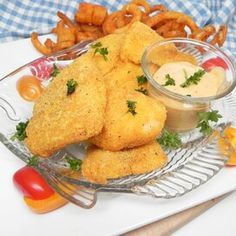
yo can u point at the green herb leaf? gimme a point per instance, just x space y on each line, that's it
55 71
103 52
20 131
189 95
205 128
96 45
98 49
74 163
193 79
131 107
170 81
169 139
142 90
185 74
205 118
33 161
71 86
141 79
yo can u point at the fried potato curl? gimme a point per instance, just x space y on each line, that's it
89 13
92 21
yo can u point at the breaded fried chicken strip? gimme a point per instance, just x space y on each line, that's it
60 118
131 119
100 165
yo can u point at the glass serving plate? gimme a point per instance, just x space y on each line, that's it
188 167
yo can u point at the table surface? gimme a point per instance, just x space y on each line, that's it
114 213
218 220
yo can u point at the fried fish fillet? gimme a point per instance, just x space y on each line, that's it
169 53
60 119
100 165
124 76
137 38
123 129
113 44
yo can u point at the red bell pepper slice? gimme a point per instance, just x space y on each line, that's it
32 184
213 62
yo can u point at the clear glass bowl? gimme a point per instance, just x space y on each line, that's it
182 110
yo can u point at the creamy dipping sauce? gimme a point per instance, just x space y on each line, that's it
208 85
182 116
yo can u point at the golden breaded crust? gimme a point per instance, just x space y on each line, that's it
113 44
100 165
52 95
138 37
124 76
124 130
60 119
169 53
122 29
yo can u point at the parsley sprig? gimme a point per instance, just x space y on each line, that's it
96 45
193 79
71 86
32 161
55 71
20 131
100 50
141 79
205 118
74 163
169 139
170 80
131 107
142 90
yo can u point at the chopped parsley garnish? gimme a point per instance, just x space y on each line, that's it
131 107
141 79
55 71
32 161
74 163
142 90
96 45
170 81
189 95
71 86
185 74
193 79
101 50
169 139
204 118
20 131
